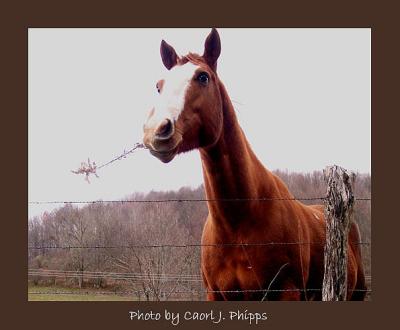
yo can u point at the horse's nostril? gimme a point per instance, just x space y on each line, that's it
165 129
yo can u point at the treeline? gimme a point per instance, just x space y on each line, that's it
109 238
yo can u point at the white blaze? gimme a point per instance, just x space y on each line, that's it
170 103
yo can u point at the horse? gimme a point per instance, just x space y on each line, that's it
193 111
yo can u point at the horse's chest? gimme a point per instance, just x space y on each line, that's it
245 268
230 270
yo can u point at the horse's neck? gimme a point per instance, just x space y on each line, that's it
231 170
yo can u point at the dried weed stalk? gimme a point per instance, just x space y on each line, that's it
87 169
91 168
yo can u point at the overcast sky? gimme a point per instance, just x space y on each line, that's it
303 98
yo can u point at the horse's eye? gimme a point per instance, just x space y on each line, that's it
203 78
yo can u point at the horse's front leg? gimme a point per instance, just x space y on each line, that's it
212 295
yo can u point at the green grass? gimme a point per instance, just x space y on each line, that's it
46 293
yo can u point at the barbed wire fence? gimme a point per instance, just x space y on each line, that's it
198 293
195 200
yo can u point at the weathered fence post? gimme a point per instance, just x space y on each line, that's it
338 210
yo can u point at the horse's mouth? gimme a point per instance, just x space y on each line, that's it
164 150
164 156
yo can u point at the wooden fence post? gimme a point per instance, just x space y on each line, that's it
338 210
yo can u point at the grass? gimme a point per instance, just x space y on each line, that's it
46 293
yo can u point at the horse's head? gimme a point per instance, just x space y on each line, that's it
188 111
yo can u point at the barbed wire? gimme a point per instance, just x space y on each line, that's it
133 246
128 292
170 200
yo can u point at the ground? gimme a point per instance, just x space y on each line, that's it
46 293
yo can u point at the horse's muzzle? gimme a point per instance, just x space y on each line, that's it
163 141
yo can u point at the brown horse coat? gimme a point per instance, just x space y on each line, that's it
232 170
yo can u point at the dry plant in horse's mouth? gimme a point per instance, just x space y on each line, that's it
86 169
91 168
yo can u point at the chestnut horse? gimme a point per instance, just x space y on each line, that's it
194 111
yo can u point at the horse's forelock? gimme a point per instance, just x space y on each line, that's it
192 58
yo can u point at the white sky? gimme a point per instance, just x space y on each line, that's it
303 98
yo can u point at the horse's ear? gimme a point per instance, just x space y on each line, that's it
212 49
168 55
